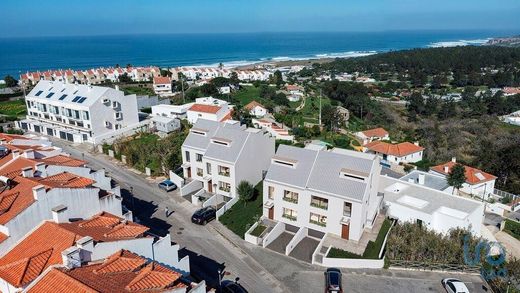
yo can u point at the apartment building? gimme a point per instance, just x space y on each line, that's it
222 154
78 113
331 191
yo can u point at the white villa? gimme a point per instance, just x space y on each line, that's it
222 154
371 135
256 109
79 113
209 108
162 85
328 191
404 152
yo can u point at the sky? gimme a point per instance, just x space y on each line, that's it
29 18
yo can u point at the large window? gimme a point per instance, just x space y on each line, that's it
347 209
199 158
318 219
290 196
270 192
290 214
223 171
319 202
199 172
208 168
224 186
187 156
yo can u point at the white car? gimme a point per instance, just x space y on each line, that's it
454 286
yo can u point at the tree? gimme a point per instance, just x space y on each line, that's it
209 89
124 78
457 176
245 191
233 78
10 81
331 118
276 78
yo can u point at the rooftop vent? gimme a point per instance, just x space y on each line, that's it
284 161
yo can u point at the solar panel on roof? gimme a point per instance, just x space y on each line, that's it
82 100
38 93
50 95
76 99
62 97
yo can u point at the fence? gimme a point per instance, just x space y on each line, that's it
426 266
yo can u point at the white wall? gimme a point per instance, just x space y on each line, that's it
302 233
277 230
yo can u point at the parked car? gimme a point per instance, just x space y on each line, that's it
333 281
452 285
167 185
204 215
228 286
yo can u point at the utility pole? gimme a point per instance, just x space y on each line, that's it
320 109
182 87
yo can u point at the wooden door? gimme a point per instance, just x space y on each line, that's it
189 172
210 187
271 213
345 231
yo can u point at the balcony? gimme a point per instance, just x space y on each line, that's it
224 173
345 220
289 217
289 199
318 223
320 206
225 188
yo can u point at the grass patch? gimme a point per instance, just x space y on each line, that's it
13 108
423 165
374 247
247 94
243 215
137 90
340 253
512 228
258 230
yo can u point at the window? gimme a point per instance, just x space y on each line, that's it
38 93
224 186
81 100
290 214
49 95
199 158
200 172
223 171
270 192
76 99
319 202
62 97
290 196
208 168
86 115
347 209
187 156
318 220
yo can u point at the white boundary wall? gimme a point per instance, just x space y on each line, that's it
191 187
278 229
302 233
178 180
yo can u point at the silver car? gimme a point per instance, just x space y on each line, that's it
167 185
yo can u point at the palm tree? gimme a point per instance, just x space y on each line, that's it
245 191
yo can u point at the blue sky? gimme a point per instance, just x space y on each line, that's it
99 17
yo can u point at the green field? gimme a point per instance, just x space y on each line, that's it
247 94
137 90
13 108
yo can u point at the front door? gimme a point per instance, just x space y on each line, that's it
210 187
345 231
189 172
271 213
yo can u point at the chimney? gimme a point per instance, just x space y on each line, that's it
416 143
59 214
29 154
117 87
40 168
421 178
454 159
86 246
16 154
27 172
39 192
71 258
446 169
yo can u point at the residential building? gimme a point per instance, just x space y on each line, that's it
477 182
271 126
256 109
371 135
430 180
511 91
123 271
344 114
330 191
78 113
165 124
172 111
221 155
404 152
513 118
431 208
209 108
162 85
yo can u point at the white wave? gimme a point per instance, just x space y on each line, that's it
477 42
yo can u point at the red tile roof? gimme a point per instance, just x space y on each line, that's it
252 105
162 80
473 175
16 199
63 160
39 250
10 137
511 90
204 108
64 180
398 150
376 132
124 271
12 167
228 116
58 281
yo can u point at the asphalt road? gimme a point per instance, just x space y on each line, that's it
212 247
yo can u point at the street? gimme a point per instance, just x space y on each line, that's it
213 247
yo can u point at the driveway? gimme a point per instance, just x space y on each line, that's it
304 250
281 242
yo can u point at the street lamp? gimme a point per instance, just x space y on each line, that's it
216 198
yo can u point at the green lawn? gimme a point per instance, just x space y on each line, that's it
247 94
512 228
13 108
258 230
2 85
142 91
242 216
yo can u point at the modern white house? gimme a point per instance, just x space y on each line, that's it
78 113
166 124
162 85
330 191
404 152
477 183
171 111
256 109
434 209
209 108
222 154
271 126
371 135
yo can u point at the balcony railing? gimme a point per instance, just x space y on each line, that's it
318 223
292 218
199 174
226 189
289 199
319 206
223 173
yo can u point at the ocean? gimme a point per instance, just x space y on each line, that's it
42 53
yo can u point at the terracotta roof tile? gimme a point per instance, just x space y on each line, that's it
253 104
227 117
398 150
162 80
64 180
58 281
63 161
204 108
376 132
473 175
16 199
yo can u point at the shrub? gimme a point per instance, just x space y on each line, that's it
512 228
340 253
